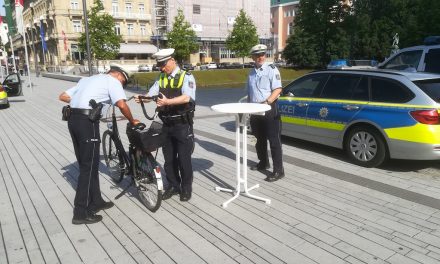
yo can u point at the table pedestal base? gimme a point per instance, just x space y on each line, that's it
241 122
245 193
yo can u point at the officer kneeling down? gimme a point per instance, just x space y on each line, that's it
176 103
84 130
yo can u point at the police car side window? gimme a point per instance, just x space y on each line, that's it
404 60
305 87
340 86
432 60
389 91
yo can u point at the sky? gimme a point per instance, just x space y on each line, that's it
2 9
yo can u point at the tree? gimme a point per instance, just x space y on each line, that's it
182 38
243 35
104 43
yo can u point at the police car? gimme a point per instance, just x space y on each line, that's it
372 114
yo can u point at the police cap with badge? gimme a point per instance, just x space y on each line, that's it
162 56
258 49
122 69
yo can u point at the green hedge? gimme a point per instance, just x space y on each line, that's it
217 78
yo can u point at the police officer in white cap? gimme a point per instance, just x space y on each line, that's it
102 88
264 86
176 104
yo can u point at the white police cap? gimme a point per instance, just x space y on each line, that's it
122 69
163 54
258 49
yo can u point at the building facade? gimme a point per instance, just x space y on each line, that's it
212 21
282 13
62 24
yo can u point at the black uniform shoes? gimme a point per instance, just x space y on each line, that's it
90 218
169 193
185 196
103 206
260 166
275 176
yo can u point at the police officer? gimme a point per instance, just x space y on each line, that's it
176 105
86 137
264 86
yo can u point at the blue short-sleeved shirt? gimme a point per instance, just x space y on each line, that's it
188 86
261 82
102 88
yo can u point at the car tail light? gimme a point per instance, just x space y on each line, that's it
429 117
2 89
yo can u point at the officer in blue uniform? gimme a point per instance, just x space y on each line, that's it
176 107
85 135
264 86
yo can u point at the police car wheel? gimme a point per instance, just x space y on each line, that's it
366 147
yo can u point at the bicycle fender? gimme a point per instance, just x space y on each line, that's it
158 178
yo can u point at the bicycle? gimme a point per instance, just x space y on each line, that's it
139 163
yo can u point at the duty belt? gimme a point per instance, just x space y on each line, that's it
80 111
174 119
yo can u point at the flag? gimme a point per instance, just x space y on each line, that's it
42 34
64 40
3 32
9 19
19 16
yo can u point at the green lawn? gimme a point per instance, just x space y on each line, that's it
219 78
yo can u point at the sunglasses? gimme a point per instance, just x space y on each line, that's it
162 63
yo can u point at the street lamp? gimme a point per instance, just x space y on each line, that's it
37 70
86 23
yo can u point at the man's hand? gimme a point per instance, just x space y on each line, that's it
162 100
135 122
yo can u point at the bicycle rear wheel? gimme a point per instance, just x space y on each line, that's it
148 179
113 158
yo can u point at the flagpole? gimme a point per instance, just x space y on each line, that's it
13 54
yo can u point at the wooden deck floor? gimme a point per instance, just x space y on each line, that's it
324 211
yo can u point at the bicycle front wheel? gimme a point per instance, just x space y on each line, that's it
148 178
113 157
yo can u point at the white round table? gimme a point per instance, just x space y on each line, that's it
242 112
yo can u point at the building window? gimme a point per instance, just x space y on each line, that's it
74 4
196 9
128 9
226 54
141 8
77 26
130 29
290 29
115 7
117 29
143 30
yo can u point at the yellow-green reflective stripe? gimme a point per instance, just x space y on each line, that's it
326 125
420 133
319 100
313 123
182 76
293 120
3 95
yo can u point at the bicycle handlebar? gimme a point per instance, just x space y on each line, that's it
153 98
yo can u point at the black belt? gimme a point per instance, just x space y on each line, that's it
80 111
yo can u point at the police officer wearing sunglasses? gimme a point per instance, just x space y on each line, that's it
84 131
176 103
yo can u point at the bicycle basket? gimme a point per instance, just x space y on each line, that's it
148 139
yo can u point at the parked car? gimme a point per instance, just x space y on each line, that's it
224 65
424 58
155 68
145 68
188 66
211 65
11 87
372 114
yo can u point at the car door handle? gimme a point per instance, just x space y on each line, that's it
302 104
351 107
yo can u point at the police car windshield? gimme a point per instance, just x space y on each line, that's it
431 87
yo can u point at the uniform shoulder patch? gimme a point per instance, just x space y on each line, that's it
272 66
